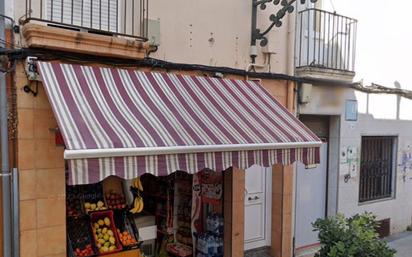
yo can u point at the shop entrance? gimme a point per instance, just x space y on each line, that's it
257 207
179 215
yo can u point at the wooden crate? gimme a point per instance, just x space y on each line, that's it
130 253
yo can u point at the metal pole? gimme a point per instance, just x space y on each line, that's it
16 214
5 170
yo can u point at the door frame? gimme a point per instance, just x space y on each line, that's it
267 241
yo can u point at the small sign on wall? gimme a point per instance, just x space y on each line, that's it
351 110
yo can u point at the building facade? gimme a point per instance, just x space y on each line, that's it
365 153
214 35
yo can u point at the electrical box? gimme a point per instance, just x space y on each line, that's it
153 32
305 93
31 69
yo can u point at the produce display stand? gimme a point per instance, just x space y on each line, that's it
80 221
184 210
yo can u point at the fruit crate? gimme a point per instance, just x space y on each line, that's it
79 237
125 224
114 194
74 201
105 220
93 199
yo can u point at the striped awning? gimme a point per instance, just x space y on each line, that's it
126 122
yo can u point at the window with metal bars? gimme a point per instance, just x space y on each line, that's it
377 167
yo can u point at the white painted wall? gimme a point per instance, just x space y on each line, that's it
377 117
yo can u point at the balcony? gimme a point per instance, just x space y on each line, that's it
116 28
325 45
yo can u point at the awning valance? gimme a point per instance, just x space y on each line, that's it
126 122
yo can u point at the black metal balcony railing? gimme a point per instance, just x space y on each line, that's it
126 18
325 40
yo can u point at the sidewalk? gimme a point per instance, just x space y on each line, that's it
402 243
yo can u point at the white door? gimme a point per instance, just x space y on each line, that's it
310 199
257 207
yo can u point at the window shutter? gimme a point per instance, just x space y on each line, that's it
93 14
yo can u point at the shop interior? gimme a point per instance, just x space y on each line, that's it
176 215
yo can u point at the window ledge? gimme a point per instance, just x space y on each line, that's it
41 36
377 201
325 73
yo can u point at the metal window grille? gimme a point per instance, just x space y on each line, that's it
377 165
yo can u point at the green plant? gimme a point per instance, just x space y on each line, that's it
351 237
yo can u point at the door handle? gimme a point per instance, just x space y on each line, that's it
255 198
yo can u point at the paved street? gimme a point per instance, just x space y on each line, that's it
402 244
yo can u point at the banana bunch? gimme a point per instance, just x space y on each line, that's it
137 205
138 200
136 183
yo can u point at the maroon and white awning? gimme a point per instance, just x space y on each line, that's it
126 122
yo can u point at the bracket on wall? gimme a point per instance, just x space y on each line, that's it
28 89
276 19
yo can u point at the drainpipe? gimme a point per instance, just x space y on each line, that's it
290 59
5 169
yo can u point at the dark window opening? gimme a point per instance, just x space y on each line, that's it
376 171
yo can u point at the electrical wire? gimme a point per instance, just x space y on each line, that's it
6 43
7 17
47 55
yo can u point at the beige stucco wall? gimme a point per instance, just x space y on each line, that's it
214 32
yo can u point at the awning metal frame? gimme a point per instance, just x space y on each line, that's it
147 151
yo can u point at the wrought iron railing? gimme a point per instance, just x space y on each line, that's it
377 168
128 18
325 40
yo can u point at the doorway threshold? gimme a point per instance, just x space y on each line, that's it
258 252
